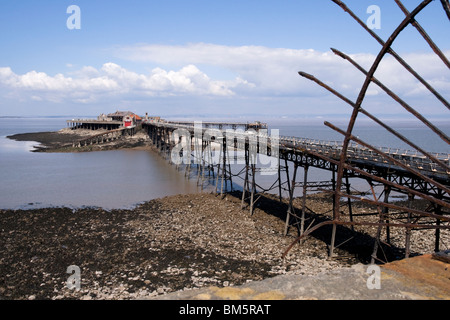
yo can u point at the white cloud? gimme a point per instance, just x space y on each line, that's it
89 83
273 71
256 73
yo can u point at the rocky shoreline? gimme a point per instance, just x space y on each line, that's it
167 245
62 140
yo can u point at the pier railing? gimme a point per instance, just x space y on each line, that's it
355 151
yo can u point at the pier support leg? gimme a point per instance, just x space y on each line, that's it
379 229
333 232
349 201
437 232
333 239
187 168
217 177
279 180
291 199
305 187
224 168
252 196
387 192
289 193
245 186
200 161
408 230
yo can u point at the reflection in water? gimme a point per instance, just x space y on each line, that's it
10 146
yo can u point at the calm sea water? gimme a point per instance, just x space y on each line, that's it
124 178
109 179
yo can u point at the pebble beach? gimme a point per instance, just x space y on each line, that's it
167 245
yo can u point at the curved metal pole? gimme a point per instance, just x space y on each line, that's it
446 6
362 93
408 108
393 53
306 233
427 38
363 111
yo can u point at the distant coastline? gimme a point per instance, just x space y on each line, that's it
279 118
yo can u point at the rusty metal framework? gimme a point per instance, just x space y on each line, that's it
419 174
437 190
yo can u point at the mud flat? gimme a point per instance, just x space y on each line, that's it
168 245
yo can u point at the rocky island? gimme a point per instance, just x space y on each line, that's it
64 139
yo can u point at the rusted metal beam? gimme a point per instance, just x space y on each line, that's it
446 6
356 223
392 206
382 53
393 53
342 163
427 38
381 123
406 106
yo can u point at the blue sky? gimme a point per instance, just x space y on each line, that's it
177 57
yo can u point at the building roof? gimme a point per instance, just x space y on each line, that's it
120 114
